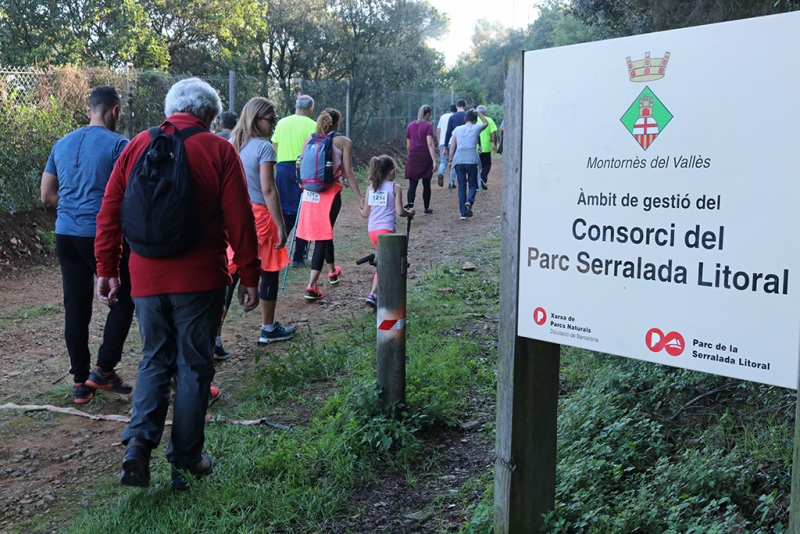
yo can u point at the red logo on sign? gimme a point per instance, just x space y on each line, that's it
656 341
539 316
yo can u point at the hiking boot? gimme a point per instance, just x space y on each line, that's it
440 179
108 382
427 211
313 293
220 353
278 332
136 465
81 393
468 209
333 277
372 300
201 469
214 395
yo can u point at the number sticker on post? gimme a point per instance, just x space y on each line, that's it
377 198
310 196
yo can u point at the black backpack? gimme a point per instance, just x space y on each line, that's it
159 211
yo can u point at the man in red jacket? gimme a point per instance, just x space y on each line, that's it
179 299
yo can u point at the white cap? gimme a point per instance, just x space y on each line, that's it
481 108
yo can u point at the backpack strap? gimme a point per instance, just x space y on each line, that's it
186 133
183 135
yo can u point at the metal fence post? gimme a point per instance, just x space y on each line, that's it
385 113
128 131
232 90
391 318
347 112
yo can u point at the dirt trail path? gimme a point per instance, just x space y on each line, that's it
49 462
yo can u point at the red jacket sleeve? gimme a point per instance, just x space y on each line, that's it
108 239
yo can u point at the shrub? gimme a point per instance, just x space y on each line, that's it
28 133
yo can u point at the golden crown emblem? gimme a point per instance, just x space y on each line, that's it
647 69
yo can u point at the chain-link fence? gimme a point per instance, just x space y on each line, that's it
37 107
375 115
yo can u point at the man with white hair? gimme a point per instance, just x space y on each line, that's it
288 138
179 298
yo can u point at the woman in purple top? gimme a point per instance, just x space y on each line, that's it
421 162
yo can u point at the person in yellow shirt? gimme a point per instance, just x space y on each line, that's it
288 138
488 139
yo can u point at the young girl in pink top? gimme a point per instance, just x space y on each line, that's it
384 201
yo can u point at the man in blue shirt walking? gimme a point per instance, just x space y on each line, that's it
74 181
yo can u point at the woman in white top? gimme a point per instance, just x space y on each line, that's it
464 150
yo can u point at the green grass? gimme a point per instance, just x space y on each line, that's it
299 480
18 316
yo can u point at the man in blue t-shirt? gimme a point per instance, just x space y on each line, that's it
74 181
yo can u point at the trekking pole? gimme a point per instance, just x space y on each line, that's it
291 245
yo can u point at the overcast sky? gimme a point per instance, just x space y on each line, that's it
464 13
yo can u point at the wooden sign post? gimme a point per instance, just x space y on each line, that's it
527 369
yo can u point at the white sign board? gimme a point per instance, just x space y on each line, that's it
660 193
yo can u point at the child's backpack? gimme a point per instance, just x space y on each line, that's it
159 212
315 172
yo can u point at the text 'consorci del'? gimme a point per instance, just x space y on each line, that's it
692 237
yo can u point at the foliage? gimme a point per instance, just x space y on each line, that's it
198 36
482 71
29 132
611 18
654 449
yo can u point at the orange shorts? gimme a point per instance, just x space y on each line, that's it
373 236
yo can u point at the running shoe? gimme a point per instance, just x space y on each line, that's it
201 469
220 353
313 293
333 277
463 218
108 382
468 209
408 206
427 211
484 186
82 393
214 395
440 179
372 300
278 333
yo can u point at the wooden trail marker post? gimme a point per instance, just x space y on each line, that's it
650 210
391 318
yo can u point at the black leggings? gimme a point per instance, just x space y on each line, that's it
323 250
426 191
268 288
